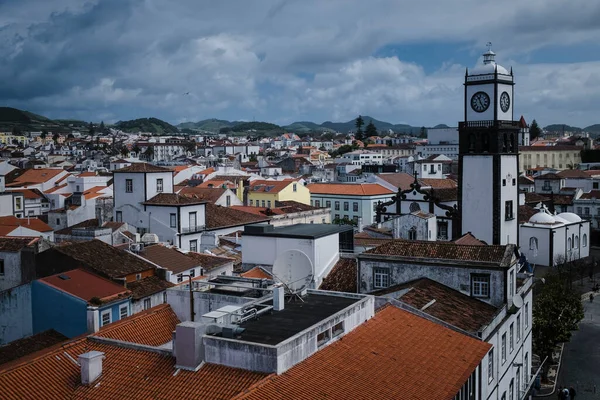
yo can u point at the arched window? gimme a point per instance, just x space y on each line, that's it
414 206
504 143
412 233
576 244
569 244
472 142
512 142
533 243
584 240
486 143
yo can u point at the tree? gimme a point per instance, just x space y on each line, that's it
371 130
556 312
44 134
252 158
91 129
344 221
55 137
149 153
534 131
359 124
136 149
16 131
124 151
71 136
423 133
191 147
102 128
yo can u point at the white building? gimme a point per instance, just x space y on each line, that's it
351 201
436 166
322 244
549 240
440 141
361 157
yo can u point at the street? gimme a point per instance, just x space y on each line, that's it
580 365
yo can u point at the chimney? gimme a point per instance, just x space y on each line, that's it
93 319
188 345
278 298
91 366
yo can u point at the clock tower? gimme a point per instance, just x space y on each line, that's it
488 155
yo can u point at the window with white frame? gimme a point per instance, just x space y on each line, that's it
380 277
164 296
179 278
518 328
147 304
511 282
511 390
123 311
159 185
105 317
480 285
194 245
526 315
119 215
533 243
173 220
511 337
138 277
129 185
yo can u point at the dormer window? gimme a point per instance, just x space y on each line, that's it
159 185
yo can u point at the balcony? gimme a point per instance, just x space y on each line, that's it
192 229
489 124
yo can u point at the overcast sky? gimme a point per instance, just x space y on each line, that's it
293 60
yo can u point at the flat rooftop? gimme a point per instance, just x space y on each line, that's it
297 231
297 316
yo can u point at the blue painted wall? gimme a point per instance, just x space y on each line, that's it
54 309
114 307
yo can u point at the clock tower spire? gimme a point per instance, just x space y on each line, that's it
488 154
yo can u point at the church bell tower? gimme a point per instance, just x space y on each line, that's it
488 155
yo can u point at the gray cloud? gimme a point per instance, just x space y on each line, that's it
281 61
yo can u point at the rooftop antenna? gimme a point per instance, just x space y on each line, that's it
294 270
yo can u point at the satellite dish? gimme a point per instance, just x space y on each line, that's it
517 301
294 270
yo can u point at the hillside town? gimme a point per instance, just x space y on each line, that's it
357 264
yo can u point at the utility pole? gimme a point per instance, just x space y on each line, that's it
192 313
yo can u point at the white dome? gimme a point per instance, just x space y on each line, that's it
489 68
557 218
542 218
570 217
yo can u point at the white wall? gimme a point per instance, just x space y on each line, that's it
15 314
12 270
477 197
510 192
151 178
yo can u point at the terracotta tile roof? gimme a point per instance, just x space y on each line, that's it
525 213
563 199
142 167
368 241
399 180
469 240
168 258
14 244
22 347
209 262
573 173
216 183
342 277
29 223
113 225
36 176
208 194
592 172
439 183
172 199
30 194
101 257
446 194
349 189
525 180
222 217
127 373
592 194
445 251
531 197
87 173
257 273
548 176
269 186
89 223
160 321
147 286
550 148
451 306
55 188
395 355
94 192
86 285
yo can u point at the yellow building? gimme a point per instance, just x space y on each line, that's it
557 157
8 138
265 193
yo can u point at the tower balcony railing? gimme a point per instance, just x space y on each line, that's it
489 124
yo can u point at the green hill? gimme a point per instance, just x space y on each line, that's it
256 126
561 127
595 129
146 125
345 127
11 118
306 127
210 125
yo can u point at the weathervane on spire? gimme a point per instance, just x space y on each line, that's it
488 56
489 46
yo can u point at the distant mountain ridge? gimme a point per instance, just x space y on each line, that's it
151 125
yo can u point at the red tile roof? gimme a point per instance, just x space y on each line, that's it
222 217
395 355
160 321
269 186
29 223
400 180
208 194
142 167
22 347
592 194
439 183
168 258
497 254
257 273
14 244
86 285
343 277
127 373
173 199
209 262
469 239
147 287
36 176
30 194
349 189
573 173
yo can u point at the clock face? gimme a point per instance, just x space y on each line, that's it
504 101
480 102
